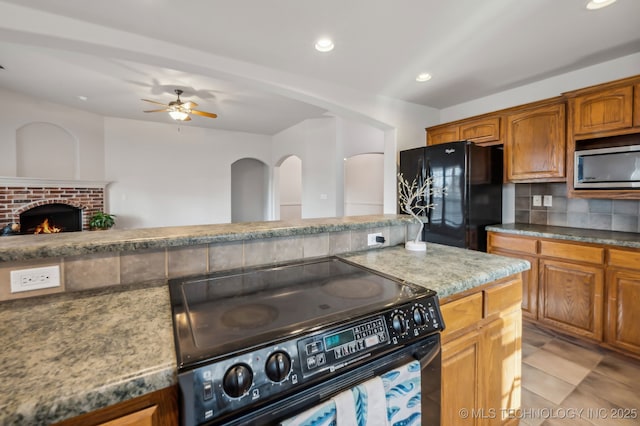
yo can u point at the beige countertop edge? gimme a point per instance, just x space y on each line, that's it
594 236
27 247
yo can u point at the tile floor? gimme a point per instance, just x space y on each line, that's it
569 382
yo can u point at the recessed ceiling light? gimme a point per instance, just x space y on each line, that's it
324 45
82 98
423 77
598 4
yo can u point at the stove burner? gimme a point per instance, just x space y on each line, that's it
353 288
249 316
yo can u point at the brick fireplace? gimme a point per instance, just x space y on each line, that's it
20 195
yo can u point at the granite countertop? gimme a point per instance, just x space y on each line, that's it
25 247
68 354
446 270
596 236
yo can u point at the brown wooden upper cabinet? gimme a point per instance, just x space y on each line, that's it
535 146
442 134
482 131
601 116
636 105
608 109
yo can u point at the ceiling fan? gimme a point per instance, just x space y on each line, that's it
179 110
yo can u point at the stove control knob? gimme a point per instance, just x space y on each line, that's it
278 366
399 323
420 316
237 380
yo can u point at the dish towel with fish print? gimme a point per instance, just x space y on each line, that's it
402 390
392 399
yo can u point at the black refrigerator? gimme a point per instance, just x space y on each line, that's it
468 196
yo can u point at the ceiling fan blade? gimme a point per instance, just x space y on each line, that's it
204 113
187 119
189 105
154 102
158 110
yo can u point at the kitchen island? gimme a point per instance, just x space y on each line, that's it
76 352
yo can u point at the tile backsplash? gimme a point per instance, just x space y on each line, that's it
613 215
98 270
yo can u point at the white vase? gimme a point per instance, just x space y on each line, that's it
415 246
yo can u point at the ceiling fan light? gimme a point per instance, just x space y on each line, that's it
599 4
179 115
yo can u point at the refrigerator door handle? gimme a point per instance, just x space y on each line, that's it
429 199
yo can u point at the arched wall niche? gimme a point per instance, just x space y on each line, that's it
46 150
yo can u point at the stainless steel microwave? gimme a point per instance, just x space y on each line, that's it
607 168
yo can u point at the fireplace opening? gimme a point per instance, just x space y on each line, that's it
51 218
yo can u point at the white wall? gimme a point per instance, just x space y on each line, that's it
314 142
322 145
363 183
17 110
359 138
607 71
166 174
45 150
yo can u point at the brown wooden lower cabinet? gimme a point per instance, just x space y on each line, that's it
461 365
584 289
481 356
623 308
159 408
571 297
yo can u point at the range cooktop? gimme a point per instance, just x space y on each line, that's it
219 315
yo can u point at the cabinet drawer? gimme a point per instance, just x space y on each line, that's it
148 416
524 245
624 258
505 297
576 252
462 313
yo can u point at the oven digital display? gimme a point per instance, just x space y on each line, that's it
338 339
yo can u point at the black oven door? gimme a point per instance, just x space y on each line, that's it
427 351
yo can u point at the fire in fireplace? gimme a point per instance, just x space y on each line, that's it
51 218
45 228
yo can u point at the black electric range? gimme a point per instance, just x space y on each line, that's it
249 337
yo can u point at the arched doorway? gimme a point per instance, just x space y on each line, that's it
290 188
249 190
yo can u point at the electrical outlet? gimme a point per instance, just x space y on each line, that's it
547 201
371 238
537 200
35 278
